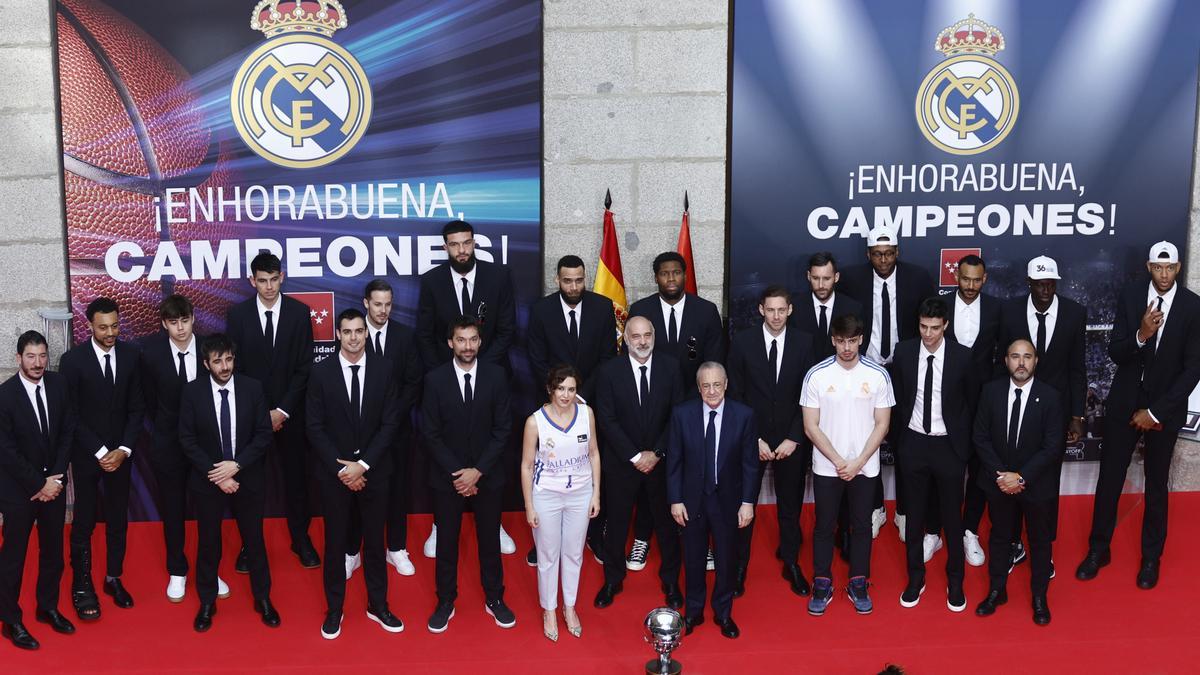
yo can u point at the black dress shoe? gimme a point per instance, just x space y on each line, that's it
1147 576
728 628
267 611
673 596
307 554
242 566
121 597
19 636
204 617
1041 611
604 597
57 621
994 599
1090 567
739 582
795 577
690 623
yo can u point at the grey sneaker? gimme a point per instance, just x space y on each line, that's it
857 592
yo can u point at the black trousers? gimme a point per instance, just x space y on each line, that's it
623 483
448 508
974 500
395 513
93 484
369 505
247 505
1119 442
291 450
930 469
710 520
789 475
19 519
827 496
1006 513
172 509
643 522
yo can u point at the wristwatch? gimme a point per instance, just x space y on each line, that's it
1021 480
660 453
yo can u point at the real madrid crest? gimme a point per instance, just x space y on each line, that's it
968 103
300 100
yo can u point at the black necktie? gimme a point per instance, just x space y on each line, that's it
355 405
644 388
823 323
885 313
927 398
183 378
226 427
1014 420
43 421
379 342
672 329
108 370
468 395
466 298
573 329
1041 334
773 360
710 453
270 331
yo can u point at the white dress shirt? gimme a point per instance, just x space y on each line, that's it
1152 298
1031 319
1025 389
189 362
462 391
967 320
779 340
262 316
937 424
567 309
666 312
372 331
828 305
216 390
470 277
347 377
717 430
31 389
112 354
637 382
875 348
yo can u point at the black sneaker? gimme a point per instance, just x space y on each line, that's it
501 613
956 601
637 556
911 595
332 627
441 617
531 558
1016 556
390 622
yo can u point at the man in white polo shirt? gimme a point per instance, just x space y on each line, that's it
847 401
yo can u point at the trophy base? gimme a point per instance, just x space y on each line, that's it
654 668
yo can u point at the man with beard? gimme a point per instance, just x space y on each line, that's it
575 327
36 428
823 304
466 287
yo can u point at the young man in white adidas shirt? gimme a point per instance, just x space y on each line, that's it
847 401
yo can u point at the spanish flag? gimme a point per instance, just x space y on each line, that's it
610 282
684 248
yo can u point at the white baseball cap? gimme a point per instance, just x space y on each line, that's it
882 236
1042 267
1164 252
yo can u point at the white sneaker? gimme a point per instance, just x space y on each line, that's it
507 545
399 559
878 518
222 588
932 544
430 548
353 562
901 522
973 550
176 588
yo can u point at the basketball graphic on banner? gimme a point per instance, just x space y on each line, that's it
132 127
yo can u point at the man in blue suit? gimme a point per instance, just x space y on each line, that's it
712 483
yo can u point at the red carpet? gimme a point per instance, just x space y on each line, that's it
1107 625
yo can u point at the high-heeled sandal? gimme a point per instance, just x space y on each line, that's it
577 629
550 635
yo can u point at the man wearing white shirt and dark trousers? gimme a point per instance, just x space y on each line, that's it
353 415
847 401
1156 345
103 376
225 431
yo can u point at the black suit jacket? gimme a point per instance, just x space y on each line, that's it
550 344
737 457
776 403
959 390
913 285
282 371
26 459
1174 363
804 317
330 419
701 337
623 425
983 350
1039 444
400 348
200 431
163 391
105 415
1063 366
492 303
458 436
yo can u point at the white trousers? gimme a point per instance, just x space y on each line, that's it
559 537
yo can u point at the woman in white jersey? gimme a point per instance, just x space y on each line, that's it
560 477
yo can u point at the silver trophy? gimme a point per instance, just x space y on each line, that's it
664 628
